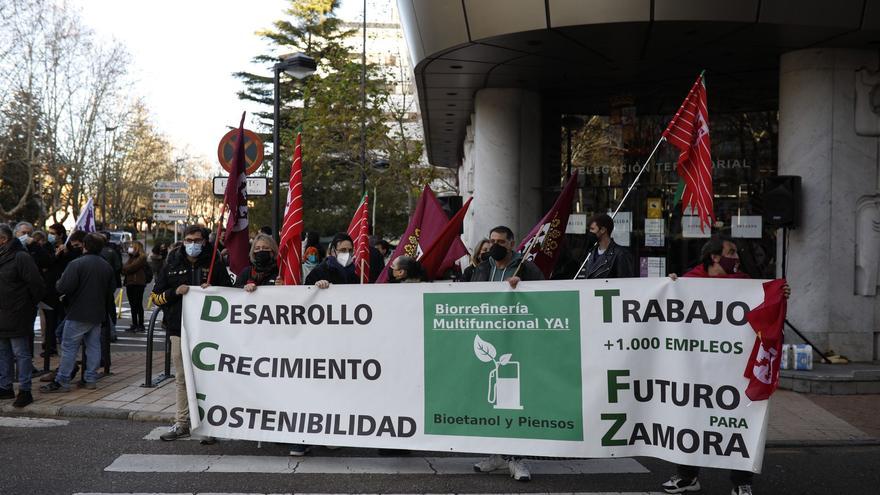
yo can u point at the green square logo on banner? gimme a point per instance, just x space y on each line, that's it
503 364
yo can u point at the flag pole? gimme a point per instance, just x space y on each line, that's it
526 251
216 243
619 205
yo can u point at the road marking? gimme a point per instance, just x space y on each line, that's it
32 422
224 493
153 463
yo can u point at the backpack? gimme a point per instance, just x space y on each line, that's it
148 274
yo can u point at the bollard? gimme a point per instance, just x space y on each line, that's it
149 381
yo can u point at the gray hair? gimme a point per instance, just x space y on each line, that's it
19 225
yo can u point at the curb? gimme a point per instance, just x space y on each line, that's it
75 411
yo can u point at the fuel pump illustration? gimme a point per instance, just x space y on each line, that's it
504 378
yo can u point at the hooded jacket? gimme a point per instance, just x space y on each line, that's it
21 287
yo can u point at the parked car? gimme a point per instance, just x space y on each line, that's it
121 238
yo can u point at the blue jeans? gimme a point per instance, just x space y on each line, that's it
74 333
15 349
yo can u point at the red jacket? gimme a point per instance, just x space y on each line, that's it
700 272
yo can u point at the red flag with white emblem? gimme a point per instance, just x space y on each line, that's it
689 132
766 320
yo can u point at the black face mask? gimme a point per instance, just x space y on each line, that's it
592 239
484 256
263 259
76 251
498 252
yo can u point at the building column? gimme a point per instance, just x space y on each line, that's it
506 163
818 142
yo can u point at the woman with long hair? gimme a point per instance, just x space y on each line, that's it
135 282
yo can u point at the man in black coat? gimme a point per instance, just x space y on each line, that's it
606 258
338 268
187 265
21 287
86 287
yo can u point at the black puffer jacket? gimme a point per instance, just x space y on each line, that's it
21 287
179 271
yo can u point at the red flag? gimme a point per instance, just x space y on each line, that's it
432 260
237 241
689 132
290 249
550 230
766 320
359 231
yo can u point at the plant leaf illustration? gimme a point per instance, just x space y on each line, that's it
485 351
504 358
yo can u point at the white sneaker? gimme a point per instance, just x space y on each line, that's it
492 463
677 484
742 490
519 470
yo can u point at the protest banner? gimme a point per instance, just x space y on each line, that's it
604 368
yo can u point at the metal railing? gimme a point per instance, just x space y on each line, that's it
149 380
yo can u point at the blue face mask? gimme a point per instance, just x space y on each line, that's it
51 238
193 250
312 258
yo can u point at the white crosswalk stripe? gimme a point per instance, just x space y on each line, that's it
173 463
22 422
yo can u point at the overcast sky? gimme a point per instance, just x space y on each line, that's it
183 54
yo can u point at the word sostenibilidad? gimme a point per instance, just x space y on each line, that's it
309 422
217 309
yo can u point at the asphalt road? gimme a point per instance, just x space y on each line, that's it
72 457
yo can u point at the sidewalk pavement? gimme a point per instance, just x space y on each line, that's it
796 419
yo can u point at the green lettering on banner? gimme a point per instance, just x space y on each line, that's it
608 439
503 364
606 295
206 308
197 355
614 385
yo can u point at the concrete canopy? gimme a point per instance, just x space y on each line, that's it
579 53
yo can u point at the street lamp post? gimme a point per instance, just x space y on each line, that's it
299 66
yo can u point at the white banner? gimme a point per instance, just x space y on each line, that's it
606 368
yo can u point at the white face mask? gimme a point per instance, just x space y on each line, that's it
130 250
343 258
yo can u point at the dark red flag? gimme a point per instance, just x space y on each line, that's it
689 132
432 260
290 248
237 241
425 224
766 320
550 230
359 231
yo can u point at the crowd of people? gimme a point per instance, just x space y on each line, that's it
70 281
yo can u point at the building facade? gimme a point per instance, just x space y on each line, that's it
515 94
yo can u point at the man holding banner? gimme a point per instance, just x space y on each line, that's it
718 259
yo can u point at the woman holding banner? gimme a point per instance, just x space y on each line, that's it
264 268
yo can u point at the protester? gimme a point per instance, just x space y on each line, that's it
187 266
156 260
718 259
405 269
310 260
606 258
504 265
312 239
21 288
338 267
57 235
87 286
480 254
264 267
384 248
111 253
135 272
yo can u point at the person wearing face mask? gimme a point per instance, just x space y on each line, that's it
54 311
187 265
718 259
505 265
21 288
310 260
135 275
606 258
480 254
264 267
338 267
